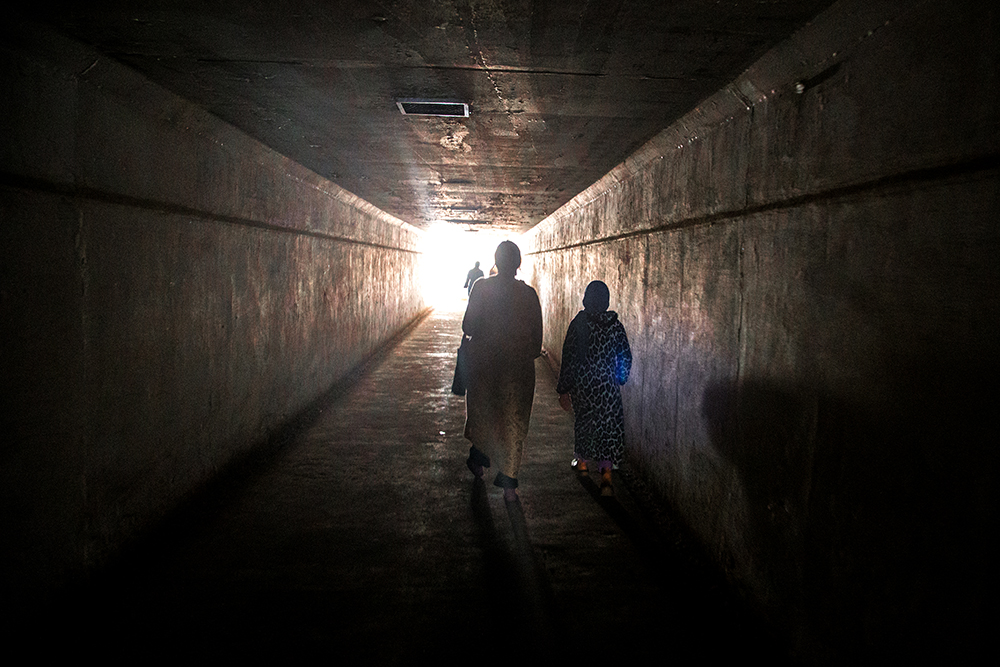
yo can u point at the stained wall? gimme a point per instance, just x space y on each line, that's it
807 267
172 292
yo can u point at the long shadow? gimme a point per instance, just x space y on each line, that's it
520 599
698 605
539 599
647 546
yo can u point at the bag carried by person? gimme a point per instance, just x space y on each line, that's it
458 384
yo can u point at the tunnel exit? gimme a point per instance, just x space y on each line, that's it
449 252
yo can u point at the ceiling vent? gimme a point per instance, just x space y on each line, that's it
433 108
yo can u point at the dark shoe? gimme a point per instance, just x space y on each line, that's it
509 486
477 461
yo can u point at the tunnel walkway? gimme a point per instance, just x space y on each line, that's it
364 536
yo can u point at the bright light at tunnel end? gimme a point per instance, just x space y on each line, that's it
449 251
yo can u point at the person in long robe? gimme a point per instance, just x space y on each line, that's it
596 361
503 323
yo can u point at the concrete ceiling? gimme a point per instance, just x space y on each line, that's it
559 91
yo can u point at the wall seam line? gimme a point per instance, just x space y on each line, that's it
40 185
922 174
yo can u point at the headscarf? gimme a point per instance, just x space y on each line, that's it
596 299
508 258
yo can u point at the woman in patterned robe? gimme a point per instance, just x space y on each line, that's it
504 324
596 361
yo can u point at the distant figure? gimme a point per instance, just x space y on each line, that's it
596 361
504 323
475 273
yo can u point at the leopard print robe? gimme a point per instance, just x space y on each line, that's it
596 361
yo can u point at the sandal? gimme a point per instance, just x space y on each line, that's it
606 488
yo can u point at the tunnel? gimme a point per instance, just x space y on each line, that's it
232 244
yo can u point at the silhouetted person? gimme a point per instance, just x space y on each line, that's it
596 361
504 323
475 273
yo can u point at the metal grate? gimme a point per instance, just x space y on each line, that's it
433 108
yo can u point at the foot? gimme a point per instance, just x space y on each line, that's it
475 468
606 488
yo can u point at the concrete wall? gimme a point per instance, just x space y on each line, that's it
171 293
807 265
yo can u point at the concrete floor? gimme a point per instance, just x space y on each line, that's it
363 536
